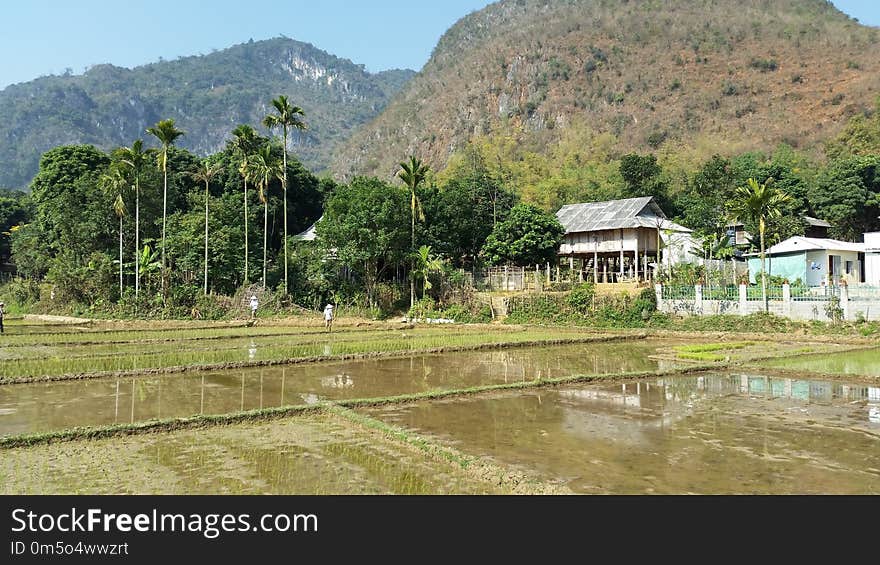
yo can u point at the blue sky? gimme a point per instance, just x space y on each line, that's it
42 37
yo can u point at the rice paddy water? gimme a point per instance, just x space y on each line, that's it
750 425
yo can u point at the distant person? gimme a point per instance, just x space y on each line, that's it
328 317
2 313
254 305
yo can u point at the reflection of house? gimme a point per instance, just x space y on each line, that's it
813 261
618 239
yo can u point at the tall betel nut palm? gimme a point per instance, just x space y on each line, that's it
135 159
206 173
263 168
760 202
287 117
115 185
167 134
244 144
413 174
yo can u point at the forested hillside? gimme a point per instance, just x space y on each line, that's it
675 76
207 95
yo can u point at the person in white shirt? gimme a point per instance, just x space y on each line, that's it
254 304
328 317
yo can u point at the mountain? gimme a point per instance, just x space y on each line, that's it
207 95
727 75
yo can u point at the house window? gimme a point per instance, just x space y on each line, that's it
849 267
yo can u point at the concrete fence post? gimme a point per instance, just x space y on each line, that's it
786 299
698 299
743 300
844 301
658 291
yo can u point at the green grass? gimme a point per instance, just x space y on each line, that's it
704 351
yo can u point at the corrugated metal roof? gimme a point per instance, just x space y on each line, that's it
816 222
640 212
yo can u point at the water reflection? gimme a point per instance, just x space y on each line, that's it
714 433
48 406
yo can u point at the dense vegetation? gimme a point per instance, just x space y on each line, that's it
110 106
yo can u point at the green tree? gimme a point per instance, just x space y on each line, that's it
413 174
69 206
847 194
264 167
760 202
206 174
528 236
244 144
460 215
115 185
426 263
363 227
16 210
167 134
642 176
135 158
286 117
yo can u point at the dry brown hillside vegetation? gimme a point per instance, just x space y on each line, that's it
725 75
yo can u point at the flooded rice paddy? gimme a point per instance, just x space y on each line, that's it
862 362
714 433
725 430
48 406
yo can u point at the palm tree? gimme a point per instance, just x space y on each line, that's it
135 158
263 168
759 202
413 174
427 263
244 144
206 174
114 184
287 117
167 134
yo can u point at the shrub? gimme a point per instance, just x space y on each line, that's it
580 299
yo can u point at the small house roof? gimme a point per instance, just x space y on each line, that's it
642 212
310 234
800 243
816 222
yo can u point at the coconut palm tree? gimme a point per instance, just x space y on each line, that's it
244 144
206 174
263 168
115 185
413 174
167 134
287 117
759 202
135 159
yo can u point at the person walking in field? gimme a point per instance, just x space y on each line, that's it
328 317
254 304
